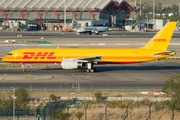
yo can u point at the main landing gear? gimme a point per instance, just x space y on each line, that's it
90 68
23 68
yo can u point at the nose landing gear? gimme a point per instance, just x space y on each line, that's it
23 68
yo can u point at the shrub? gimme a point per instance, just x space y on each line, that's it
122 105
52 97
37 99
113 104
22 97
98 96
116 104
119 95
172 89
167 103
63 115
78 114
145 101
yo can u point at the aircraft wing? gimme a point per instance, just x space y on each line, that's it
89 59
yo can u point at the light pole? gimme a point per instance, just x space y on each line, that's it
72 97
153 13
140 8
147 23
60 90
31 94
65 15
14 97
45 91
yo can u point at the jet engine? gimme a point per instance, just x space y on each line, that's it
71 64
96 32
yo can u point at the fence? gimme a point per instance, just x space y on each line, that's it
48 111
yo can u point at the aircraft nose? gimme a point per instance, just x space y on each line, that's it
5 58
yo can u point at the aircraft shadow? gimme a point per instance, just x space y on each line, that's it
119 68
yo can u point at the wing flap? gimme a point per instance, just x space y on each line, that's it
87 59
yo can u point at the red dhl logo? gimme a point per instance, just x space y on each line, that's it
160 40
41 55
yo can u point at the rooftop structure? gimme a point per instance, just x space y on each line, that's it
54 9
71 5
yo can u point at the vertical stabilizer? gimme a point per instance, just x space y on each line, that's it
106 24
161 40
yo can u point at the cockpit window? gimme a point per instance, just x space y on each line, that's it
9 54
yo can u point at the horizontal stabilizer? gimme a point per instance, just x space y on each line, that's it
164 53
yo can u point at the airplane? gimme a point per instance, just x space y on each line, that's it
74 58
94 30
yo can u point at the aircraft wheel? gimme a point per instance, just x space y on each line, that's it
92 70
88 70
24 70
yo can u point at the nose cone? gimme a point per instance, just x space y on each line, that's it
7 58
3 59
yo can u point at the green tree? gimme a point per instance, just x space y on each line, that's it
159 6
174 7
174 17
22 97
98 96
172 89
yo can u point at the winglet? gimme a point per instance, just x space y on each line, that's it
161 40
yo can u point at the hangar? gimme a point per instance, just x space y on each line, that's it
52 13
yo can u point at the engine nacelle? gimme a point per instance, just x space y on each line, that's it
70 64
97 32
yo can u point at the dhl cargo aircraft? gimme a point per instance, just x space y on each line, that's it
73 58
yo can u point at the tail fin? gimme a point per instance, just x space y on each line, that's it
161 40
106 24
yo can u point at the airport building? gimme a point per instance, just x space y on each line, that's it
60 14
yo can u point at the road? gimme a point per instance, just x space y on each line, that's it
147 76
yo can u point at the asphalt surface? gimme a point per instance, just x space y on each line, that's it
110 34
10 48
147 76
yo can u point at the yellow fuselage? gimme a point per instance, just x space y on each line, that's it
109 55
